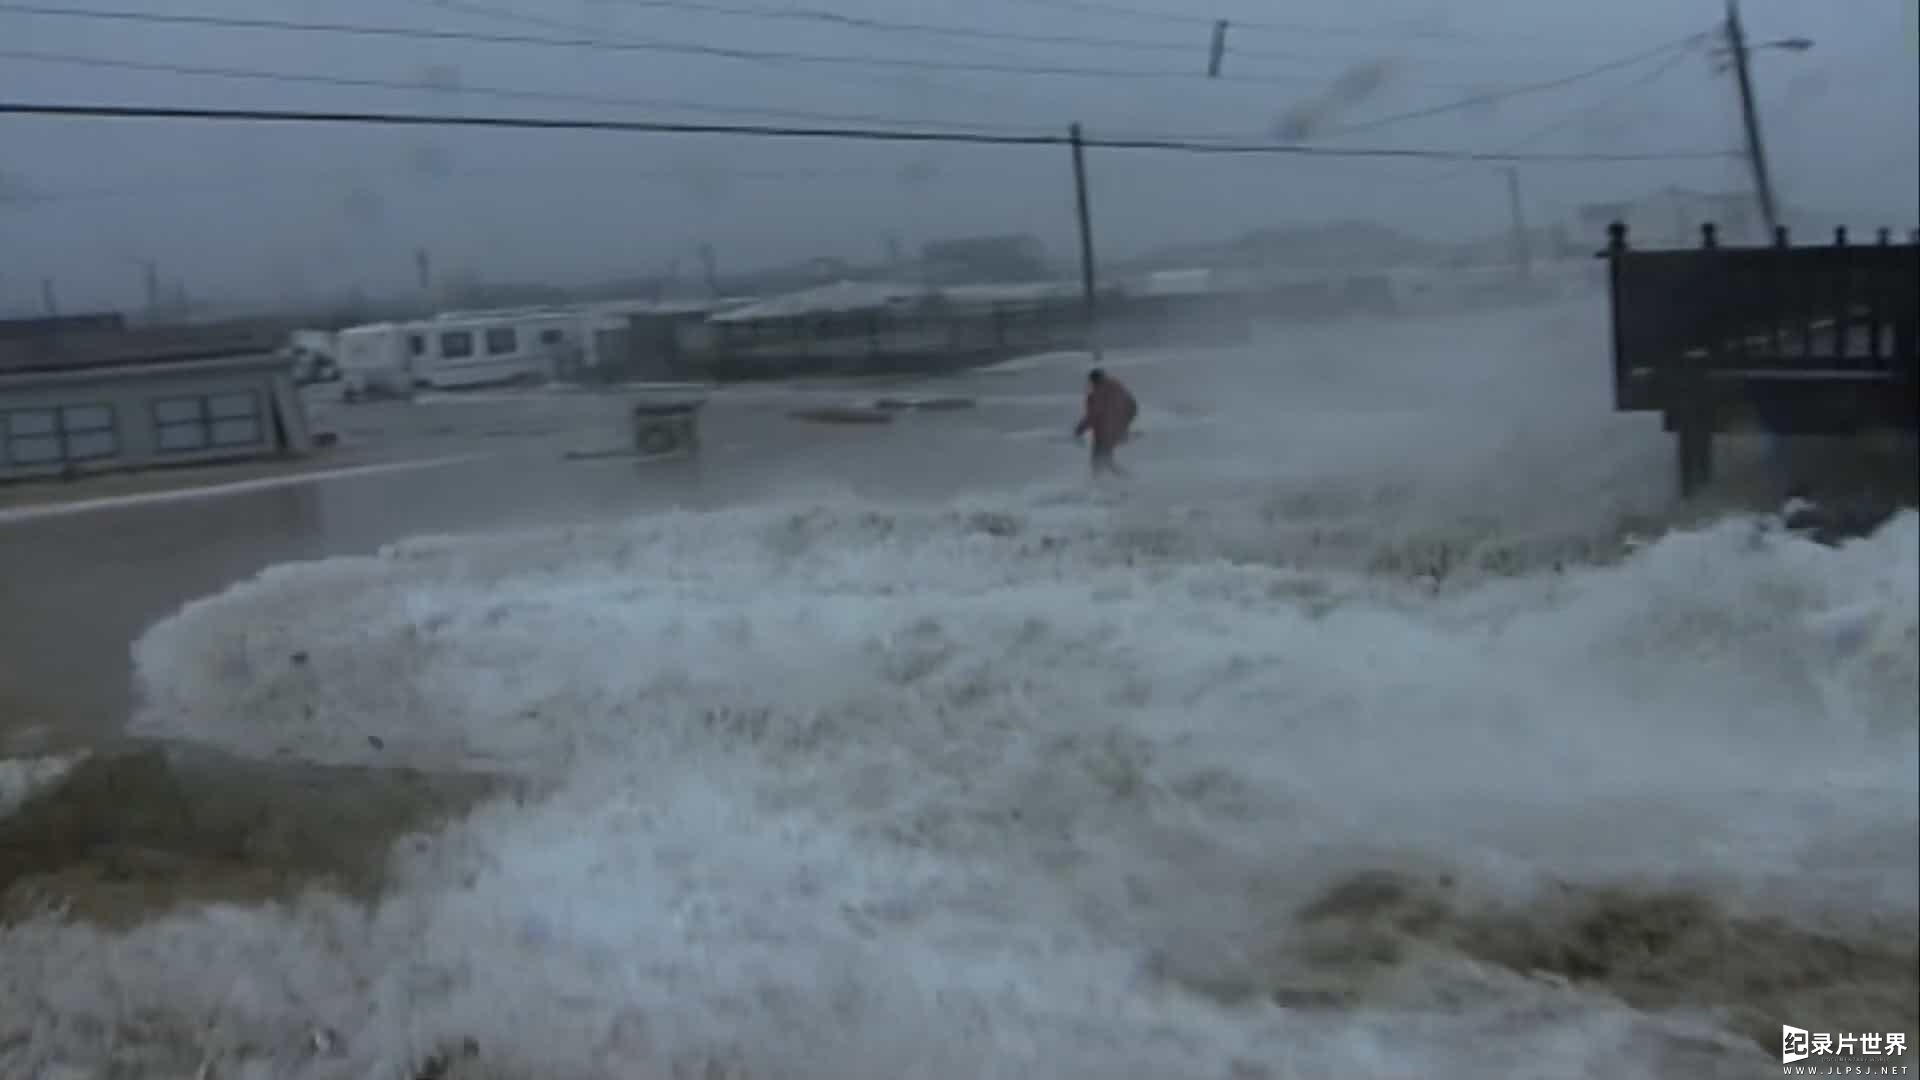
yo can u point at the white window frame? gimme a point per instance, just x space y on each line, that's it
210 414
62 432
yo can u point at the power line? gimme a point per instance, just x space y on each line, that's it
519 93
34 194
84 60
1480 100
821 16
1639 83
633 44
1113 10
593 33
894 135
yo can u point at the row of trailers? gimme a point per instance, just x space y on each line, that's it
470 350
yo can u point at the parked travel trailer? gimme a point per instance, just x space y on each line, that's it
375 360
458 350
464 349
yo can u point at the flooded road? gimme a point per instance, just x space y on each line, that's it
82 583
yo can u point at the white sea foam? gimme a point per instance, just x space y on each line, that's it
845 791
838 789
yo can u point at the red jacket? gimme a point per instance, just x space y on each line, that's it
1110 412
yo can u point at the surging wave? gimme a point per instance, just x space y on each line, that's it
1018 788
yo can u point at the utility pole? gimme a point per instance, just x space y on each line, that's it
1218 52
1086 241
150 282
1750 117
1522 244
708 264
48 299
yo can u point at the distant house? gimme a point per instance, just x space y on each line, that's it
982 259
94 401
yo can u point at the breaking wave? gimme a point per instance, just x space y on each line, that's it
1044 787
1355 735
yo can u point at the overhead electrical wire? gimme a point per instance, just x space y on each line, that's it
885 135
418 86
1492 97
1188 18
520 18
1586 112
32 194
822 16
624 44
632 44
1639 83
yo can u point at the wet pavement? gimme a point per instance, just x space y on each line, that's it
83 583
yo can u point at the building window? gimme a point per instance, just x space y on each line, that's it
501 340
58 434
217 421
551 337
417 344
456 345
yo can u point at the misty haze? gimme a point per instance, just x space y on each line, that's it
1018 538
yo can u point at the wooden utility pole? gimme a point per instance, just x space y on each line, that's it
1087 286
710 266
1218 53
150 282
1750 116
1522 244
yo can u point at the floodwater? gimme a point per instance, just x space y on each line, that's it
80 587
1390 720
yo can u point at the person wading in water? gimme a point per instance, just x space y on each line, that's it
1110 413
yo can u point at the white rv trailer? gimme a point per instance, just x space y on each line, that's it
375 360
464 349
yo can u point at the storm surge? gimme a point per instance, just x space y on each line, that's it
1010 788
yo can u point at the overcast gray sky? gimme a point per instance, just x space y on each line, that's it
283 212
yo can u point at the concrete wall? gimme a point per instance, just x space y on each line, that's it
151 420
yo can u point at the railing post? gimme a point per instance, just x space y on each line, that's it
1689 401
1694 420
1884 236
1617 247
1841 296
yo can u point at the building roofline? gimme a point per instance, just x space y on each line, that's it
206 362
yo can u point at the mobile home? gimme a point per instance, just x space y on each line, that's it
459 350
466 349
